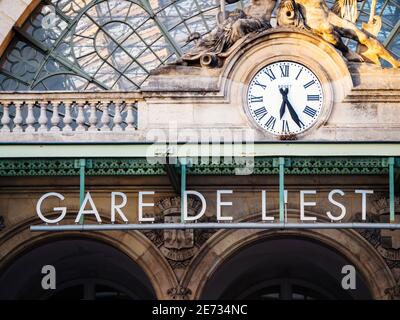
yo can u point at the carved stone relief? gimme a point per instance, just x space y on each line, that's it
310 15
177 246
179 293
386 242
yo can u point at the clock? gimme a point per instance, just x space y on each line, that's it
285 98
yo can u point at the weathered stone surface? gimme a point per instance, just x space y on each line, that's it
210 102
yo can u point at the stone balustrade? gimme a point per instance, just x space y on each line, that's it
67 113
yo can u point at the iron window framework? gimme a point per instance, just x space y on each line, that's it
100 44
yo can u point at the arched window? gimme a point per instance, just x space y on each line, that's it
100 44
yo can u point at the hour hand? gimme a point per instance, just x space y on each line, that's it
282 110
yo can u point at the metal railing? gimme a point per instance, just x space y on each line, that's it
205 225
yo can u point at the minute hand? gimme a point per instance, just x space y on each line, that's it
293 113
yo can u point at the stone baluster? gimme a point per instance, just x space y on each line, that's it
55 118
5 119
67 117
18 118
92 117
43 118
80 119
130 119
117 118
30 119
105 118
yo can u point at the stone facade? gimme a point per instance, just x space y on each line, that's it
192 100
178 271
356 108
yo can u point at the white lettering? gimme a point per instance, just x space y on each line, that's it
63 210
185 208
264 207
141 205
338 204
304 204
92 210
117 208
219 204
364 202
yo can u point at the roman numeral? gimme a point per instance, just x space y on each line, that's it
285 126
313 97
270 74
284 70
260 84
310 111
256 99
260 112
299 73
309 84
270 123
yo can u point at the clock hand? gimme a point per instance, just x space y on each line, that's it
293 113
282 110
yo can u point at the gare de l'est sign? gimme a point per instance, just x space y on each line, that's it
225 200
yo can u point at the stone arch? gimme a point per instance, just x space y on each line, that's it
348 243
18 239
21 9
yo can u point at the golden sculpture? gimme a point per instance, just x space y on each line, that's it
311 15
331 27
347 9
374 24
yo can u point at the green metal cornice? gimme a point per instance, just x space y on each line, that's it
302 166
67 167
139 166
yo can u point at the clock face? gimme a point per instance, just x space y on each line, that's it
285 98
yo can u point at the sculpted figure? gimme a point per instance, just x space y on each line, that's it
255 17
374 24
331 27
289 14
347 9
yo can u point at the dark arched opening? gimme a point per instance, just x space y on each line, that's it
284 268
85 269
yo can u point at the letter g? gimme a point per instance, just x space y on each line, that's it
63 210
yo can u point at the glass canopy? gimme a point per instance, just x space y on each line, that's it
114 44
